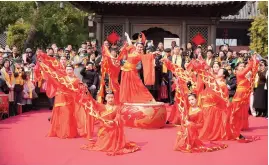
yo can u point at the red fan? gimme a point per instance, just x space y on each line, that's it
113 37
198 39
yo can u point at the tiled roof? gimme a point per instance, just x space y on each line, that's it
164 3
249 11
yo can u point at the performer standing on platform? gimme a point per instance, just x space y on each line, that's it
134 89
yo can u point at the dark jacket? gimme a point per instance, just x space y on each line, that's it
231 81
3 86
169 74
90 77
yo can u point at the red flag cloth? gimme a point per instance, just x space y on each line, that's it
198 39
148 69
113 37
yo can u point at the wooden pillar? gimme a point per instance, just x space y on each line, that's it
183 34
213 36
213 33
91 26
99 29
127 27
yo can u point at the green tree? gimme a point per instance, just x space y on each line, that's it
48 24
12 11
63 26
17 33
259 30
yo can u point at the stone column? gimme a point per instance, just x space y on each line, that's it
127 27
99 29
183 34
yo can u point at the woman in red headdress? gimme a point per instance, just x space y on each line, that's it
192 121
110 137
63 121
132 89
240 102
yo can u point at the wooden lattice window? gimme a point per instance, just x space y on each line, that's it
194 30
3 39
109 28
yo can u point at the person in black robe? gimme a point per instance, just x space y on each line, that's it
261 94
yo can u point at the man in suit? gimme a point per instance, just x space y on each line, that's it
168 76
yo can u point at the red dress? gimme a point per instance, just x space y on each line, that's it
240 102
113 72
111 66
187 136
63 121
184 76
111 138
191 122
213 100
132 89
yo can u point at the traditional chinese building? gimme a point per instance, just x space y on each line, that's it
214 20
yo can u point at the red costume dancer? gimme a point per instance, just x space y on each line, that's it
192 120
111 134
184 75
240 102
132 88
84 125
214 101
63 122
113 139
111 65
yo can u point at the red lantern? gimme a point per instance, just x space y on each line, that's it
198 39
113 37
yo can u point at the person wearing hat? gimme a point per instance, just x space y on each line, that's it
79 62
30 57
90 77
